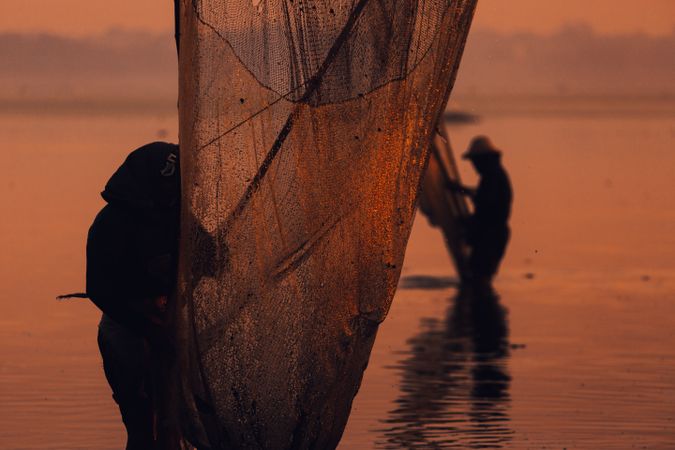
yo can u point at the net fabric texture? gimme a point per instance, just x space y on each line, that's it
444 208
304 128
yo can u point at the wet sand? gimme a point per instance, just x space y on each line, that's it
578 353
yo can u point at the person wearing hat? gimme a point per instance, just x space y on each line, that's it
131 258
487 230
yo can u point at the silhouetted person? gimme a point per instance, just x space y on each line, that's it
487 229
131 259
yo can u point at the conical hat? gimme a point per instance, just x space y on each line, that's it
481 146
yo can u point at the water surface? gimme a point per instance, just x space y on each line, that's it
577 351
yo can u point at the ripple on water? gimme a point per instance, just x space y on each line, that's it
454 388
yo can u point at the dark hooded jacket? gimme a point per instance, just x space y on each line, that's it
132 244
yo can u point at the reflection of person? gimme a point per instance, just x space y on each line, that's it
487 228
455 380
131 255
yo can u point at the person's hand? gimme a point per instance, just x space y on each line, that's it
161 304
452 185
154 309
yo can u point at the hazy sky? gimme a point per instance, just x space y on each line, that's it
81 17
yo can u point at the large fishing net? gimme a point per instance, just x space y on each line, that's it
305 128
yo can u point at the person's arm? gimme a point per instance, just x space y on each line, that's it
460 189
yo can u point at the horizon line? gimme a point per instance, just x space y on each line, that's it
561 29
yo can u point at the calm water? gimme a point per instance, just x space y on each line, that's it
578 352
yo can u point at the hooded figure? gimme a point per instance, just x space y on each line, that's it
131 258
487 229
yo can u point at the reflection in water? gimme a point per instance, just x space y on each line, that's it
427 282
455 381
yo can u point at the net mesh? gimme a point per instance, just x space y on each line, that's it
305 128
444 208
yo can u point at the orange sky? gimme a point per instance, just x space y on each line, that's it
78 17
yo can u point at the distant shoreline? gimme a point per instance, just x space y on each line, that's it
461 109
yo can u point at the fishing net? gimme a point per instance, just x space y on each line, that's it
304 128
445 208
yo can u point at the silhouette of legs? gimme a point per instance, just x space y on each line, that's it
125 363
